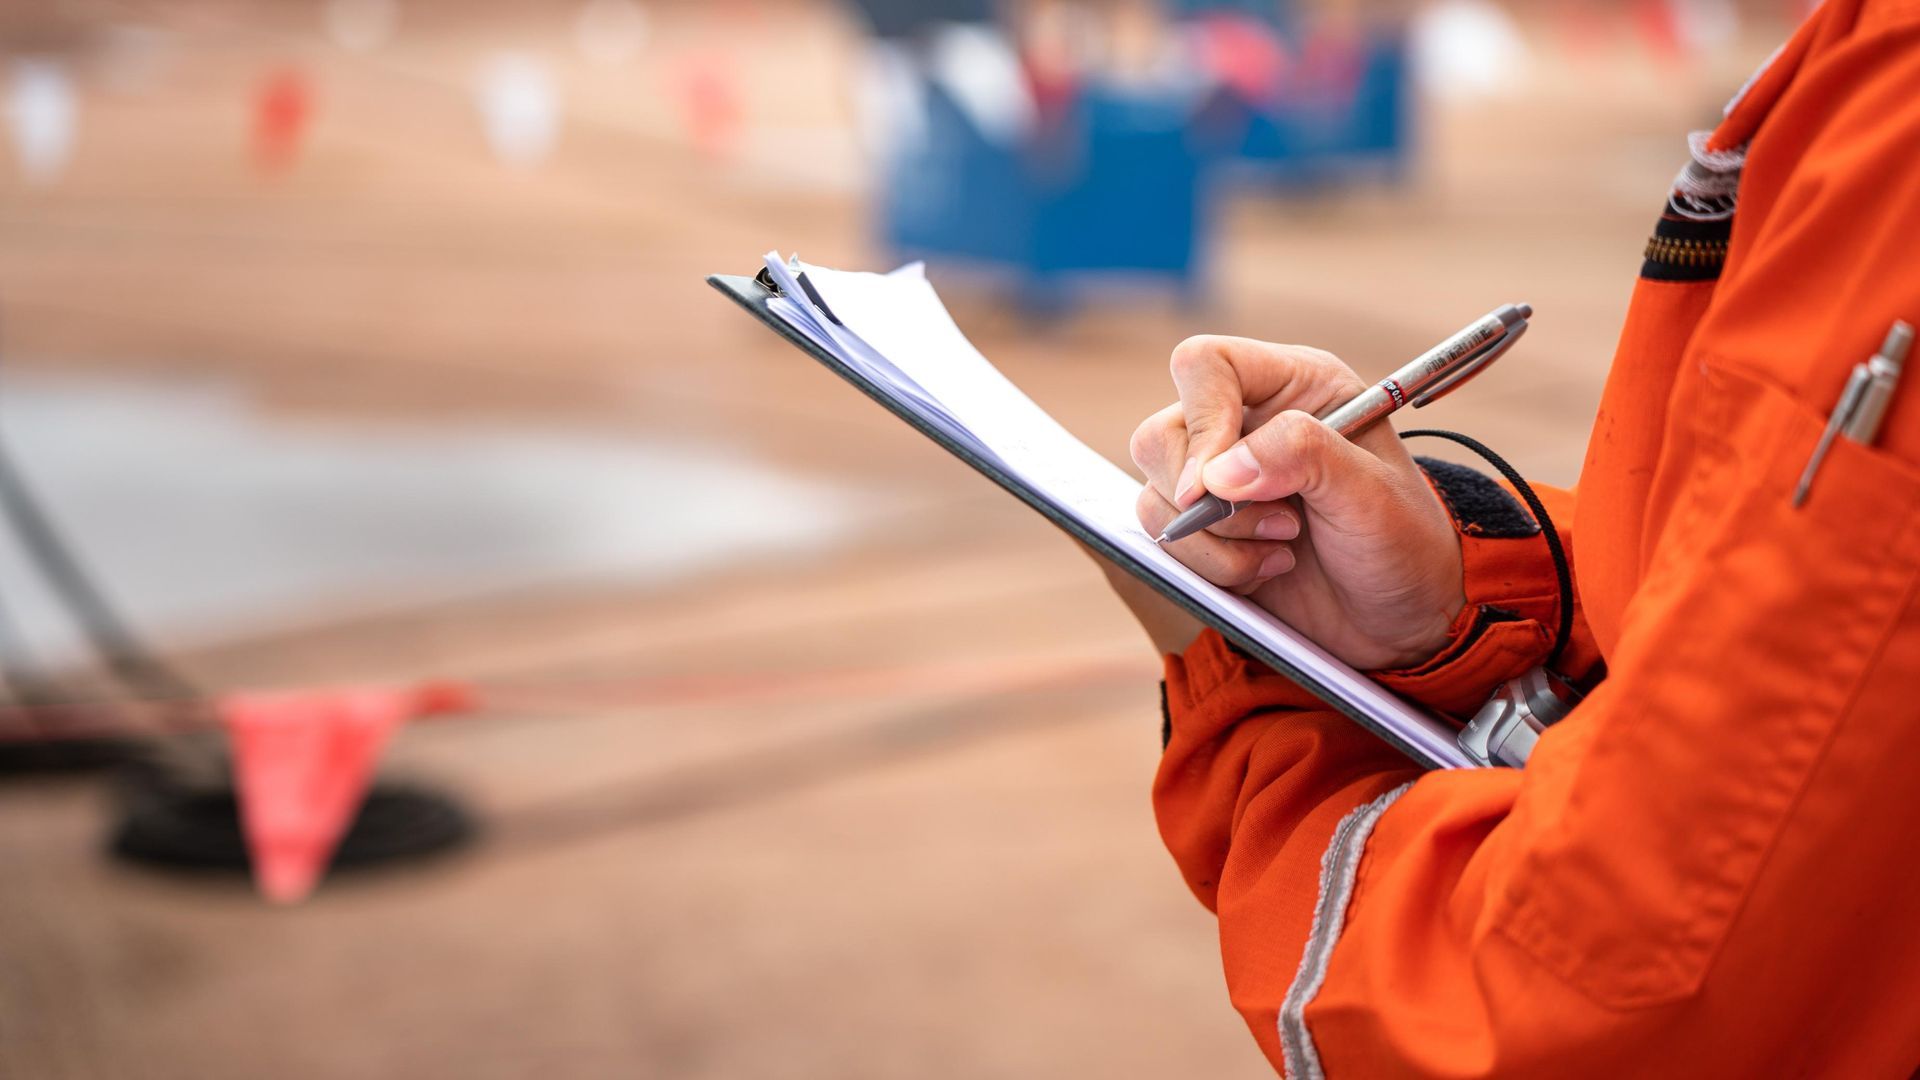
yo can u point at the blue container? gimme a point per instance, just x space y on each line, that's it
1113 186
1308 138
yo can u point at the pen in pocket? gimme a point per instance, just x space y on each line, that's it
1863 403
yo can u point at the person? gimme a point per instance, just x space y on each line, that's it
1707 868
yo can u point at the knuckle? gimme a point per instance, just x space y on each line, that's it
1147 505
1296 434
1331 369
1145 446
1194 354
1154 510
1318 358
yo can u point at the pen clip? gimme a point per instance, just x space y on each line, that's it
1471 368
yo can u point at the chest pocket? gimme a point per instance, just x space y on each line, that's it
1741 654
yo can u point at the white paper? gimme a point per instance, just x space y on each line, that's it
894 329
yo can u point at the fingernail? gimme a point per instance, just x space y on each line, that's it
1278 525
1235 468
1277 563
1189 476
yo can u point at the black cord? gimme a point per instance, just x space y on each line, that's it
125 655
135 666
1562 569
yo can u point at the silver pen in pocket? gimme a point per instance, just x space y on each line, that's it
1863 403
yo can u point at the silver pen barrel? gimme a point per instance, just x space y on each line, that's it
1357 415
1863 426
1205 510
1423 371
1843 412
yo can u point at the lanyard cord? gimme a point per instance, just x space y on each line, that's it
1562 569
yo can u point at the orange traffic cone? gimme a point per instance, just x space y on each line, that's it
302 763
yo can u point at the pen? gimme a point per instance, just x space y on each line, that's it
1863 403
1842 412
1883 372
1429 377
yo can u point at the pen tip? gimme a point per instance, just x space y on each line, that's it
1161 539
1526 310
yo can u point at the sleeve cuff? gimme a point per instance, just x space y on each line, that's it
1489 646
1505 627
1214 685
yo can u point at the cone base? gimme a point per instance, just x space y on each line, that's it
171 826
28 759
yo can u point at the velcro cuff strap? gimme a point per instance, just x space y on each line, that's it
1477 503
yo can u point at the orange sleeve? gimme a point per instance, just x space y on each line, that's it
1707 869
1258 773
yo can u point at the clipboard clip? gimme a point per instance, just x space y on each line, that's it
766 280
1487 354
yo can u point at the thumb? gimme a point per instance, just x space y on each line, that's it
1295 454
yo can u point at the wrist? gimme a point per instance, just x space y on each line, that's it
1434 623
1508 593
1171 630
1437 633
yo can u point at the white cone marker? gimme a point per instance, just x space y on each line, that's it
41 116
519 109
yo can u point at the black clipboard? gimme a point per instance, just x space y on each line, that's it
753 294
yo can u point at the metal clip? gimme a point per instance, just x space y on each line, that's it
1455 381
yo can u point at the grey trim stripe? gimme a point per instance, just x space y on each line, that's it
1338 868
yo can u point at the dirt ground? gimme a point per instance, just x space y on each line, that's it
873 808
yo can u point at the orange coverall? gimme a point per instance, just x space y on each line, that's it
1710 868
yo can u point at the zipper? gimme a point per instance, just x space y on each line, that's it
1686 249
1686 252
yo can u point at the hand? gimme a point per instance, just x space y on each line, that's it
1345 541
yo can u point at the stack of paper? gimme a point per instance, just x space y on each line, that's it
892 333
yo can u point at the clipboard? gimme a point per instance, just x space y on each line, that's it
753 295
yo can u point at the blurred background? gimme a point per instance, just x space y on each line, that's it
361 341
